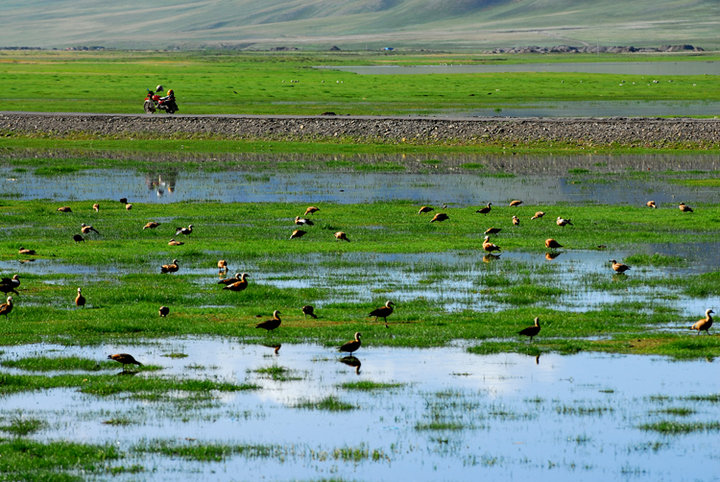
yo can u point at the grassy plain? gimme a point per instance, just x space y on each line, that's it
286 83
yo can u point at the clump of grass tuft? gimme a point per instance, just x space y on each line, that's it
672 428
330 403
21 427
277 373
369 385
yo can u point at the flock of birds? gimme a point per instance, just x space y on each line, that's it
239 281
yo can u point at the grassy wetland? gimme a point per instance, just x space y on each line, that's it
447 390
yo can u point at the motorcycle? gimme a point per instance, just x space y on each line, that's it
153 102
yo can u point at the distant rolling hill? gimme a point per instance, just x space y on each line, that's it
349 24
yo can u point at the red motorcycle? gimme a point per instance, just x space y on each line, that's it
153 102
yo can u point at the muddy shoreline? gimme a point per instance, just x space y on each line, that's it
653 132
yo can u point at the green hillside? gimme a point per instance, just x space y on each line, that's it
431 24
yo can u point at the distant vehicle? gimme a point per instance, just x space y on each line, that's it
153 102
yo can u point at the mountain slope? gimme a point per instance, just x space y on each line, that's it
358 23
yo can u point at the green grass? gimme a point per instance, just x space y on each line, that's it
277 373
368 386
678 428
21 427
330 404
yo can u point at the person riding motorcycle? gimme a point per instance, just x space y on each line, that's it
169 100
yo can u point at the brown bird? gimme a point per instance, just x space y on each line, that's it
239 285
515 202
311 210
77 238
64 209
340 235
79 299
163 311
351 346
485 210
383 312
563 222
86 228
704 324
10 284
492 230
6 307
685 208
170 268
151 225
552 244
308 310
222 266
538 215
172 242
303 221
185 231
128 206
26 251
439 217
619 267
516 221
125 359
228 281
531 331
425 209
298 233
271 324
651 204
96 207
488 246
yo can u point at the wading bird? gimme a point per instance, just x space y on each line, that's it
538 215
515 202
651 204
303 221
298 233
6 307
550 243
704 324
425 209
563 222
173 242
170 268
239 285
185 231
64 209
10 284
488 246
311 210
151 225
383 312
79 299
516 221
86 228
685 208
163 311
125 359
308 310
485 210
351 346
531 331
439 217
270 324
340 235
619 267
29 252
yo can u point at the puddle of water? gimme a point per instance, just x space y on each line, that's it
559 416
625 68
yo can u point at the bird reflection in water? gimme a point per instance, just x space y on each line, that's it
352 361
275 346
161 182
489 258
551 255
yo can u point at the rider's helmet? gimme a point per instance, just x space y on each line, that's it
159 88
170 92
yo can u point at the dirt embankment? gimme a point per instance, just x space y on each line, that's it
587 131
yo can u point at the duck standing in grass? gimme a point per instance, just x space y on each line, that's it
531 331
27 252
515 203
64 209
151 225
516 221
311 210
619 267
538 215
96 207
125 359
651 204
485 210
303 221
685 208
352 345
80 299
186 231
439 217
341 236
298 233
86 228
173 242
228 281
163 311
309 310
6 307
238 285
704 324
10 284
272 323
550 243
425 209
383 312
563 222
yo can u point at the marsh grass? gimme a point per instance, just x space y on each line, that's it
368 386
330 404
43 364
277 373
23 459
21 426
669 427
207 452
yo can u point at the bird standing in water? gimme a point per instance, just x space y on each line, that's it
351 346
531 331
125 359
